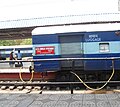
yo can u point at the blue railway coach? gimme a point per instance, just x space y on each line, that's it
76 41
26 50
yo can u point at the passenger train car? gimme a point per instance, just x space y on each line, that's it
77 41
26 50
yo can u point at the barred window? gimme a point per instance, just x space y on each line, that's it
104 47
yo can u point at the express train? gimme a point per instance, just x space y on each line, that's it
26 50
77 41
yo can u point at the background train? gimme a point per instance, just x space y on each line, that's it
77 41
26 50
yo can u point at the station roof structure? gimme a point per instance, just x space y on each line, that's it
22 28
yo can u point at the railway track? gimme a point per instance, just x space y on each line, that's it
17 87
40 87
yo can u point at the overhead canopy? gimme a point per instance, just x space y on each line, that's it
22 28
15 33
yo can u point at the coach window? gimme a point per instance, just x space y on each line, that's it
104 47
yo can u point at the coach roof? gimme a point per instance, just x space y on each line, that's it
76 28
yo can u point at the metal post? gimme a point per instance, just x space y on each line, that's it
71 77
113 67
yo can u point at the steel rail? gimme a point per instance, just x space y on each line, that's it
54 83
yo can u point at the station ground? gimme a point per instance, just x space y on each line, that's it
59 100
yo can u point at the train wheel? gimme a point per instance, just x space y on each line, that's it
62 77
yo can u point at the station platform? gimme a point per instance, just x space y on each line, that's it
59 100
5 68
14 70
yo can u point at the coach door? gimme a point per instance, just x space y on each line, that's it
71 47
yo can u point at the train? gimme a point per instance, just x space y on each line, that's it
77 41
53 45
5 51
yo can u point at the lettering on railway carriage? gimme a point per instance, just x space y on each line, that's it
45 50
93 38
